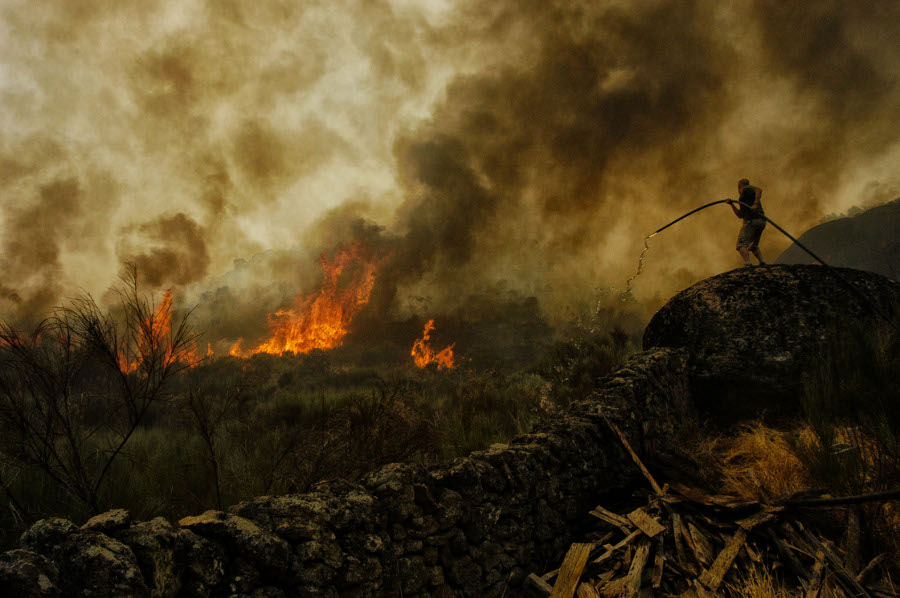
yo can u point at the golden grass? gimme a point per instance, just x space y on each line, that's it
757 463
759 583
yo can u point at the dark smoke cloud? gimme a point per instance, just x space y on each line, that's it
176 251
37 232
518 176
619 118
484 149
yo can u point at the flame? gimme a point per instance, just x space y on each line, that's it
423 354
320 320
154 334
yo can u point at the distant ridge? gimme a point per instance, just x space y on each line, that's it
868 241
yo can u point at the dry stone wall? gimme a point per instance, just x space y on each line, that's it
473 527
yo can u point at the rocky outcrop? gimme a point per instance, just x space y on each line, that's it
472 527
754 333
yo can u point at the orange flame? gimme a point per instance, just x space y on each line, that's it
320 320
154 334
423 354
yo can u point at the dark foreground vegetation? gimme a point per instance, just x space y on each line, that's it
101 410
772 508
846 444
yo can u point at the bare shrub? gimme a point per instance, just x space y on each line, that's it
74 390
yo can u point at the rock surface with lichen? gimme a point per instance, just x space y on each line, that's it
753 334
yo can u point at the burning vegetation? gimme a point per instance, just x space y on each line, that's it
423 354
321 320
154 337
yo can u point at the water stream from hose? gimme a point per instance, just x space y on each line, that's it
626 294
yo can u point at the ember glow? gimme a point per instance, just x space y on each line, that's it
423 354
321 320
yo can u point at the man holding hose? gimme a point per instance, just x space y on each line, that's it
751 211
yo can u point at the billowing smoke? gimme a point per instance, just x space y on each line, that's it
170 250
516 150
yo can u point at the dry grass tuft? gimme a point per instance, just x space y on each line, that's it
759 583
757 463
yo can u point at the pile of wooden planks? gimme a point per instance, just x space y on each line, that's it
684 542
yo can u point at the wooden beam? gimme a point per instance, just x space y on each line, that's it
586 590
713 577
656 487
633 578
703 549
818 576
836 564
861 577
645 523
756 519
609 552
613 519
536 586
659 564
570 571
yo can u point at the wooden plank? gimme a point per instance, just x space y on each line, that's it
861 577
677 532
696 591
656 487
756 519
586 590
536 586
613 519
713 577
791 559
607 575
702 546
659 564
701 591
732 502
570 571
692 494
613 589
633 578
843 575
645 523
853 542
609 552
818 576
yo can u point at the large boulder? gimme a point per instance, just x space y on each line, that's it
753 334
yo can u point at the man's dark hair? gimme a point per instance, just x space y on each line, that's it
743 182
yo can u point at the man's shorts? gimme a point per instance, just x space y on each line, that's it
750 233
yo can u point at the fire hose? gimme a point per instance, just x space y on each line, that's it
829 268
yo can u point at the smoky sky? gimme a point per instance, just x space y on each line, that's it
222 145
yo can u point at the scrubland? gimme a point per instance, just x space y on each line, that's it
118 410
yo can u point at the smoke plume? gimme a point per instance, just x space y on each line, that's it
483 149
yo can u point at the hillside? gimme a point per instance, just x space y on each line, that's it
867 241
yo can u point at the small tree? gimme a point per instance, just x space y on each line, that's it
73 392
